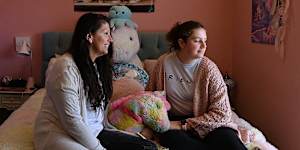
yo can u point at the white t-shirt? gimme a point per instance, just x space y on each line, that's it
180 84
95 118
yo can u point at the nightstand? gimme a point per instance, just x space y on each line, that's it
13 98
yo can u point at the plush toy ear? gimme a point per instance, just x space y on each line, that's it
120 102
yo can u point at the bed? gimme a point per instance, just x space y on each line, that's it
16 132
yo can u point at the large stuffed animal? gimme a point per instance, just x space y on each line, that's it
128 72
131 108
126 61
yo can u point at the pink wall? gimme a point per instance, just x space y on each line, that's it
34 17
268 87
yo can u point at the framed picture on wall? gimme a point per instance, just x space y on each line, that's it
104 5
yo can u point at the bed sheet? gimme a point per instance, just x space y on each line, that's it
16 132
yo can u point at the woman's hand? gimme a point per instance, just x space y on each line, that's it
147 133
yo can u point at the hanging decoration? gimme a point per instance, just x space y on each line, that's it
269 19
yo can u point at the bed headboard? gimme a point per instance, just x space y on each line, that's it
153 44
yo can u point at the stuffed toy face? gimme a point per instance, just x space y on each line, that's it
134 112
126 44
119 12
120 16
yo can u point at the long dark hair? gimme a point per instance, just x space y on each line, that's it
79 49
182 31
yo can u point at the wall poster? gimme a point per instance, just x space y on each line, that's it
104 5
268 22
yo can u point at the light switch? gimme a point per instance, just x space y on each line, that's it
23 45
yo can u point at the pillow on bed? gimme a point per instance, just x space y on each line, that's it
142 109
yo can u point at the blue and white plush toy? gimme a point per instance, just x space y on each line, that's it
129 75
120 16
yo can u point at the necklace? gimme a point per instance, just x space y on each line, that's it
100 83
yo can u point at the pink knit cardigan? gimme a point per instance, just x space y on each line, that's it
211 106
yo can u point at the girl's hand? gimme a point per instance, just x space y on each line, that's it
175 125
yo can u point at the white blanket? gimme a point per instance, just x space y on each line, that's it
16 132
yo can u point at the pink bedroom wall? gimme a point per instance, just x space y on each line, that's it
31 18
268 92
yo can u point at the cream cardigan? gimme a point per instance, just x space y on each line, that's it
62 121
211 106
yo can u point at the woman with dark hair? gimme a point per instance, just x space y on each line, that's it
78 85
200 111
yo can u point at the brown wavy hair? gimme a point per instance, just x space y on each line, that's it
181 31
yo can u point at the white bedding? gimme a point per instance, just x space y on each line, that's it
251 136
16 131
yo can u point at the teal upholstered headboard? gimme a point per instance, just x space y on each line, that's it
153 44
